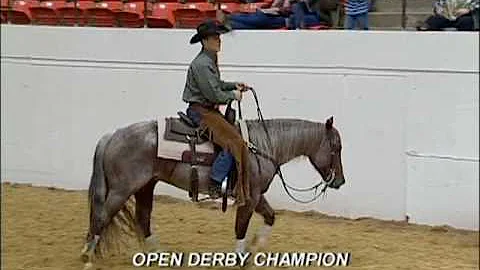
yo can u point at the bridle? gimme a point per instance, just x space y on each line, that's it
323 185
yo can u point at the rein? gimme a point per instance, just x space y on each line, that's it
255 150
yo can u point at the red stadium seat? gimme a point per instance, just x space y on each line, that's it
45 12
131 15
19 13
267 3
103 14
162 15
70 16
229 1
191 15
4 10
191 1
208 9
319 27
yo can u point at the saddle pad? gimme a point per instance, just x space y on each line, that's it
174 150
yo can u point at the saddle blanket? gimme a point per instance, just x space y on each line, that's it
173 150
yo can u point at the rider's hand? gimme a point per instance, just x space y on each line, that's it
242 87
238 95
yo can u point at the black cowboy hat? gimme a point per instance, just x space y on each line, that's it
208 28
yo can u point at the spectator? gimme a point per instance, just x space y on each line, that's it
356 14
266 18
292 14
303 16
306 13
458 14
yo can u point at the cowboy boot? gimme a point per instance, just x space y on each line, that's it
214 189
224 19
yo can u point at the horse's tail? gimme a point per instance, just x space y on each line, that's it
98 189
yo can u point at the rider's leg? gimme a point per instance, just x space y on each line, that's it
194 115
222 166
228 137
223 162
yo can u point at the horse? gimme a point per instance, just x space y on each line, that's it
126 166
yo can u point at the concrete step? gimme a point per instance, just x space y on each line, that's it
412 5
414 17
394 19
391 29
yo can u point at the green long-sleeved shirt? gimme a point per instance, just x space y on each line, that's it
203 83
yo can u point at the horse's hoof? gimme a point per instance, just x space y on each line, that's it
85 258
88 266
152 244
248 264
85 255
84 249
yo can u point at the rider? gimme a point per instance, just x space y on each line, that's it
204 92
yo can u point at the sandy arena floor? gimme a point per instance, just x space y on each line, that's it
44 228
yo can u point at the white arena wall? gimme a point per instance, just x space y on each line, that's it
406 104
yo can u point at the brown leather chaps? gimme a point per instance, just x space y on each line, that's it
226 136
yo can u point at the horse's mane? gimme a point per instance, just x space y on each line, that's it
290 137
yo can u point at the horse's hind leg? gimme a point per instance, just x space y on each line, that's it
114 202
261 238
143 212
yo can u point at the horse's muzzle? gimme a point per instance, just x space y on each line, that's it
337 183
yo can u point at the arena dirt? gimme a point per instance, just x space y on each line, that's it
44 228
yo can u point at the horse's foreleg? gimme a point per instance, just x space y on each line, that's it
244 214
261 238
143 213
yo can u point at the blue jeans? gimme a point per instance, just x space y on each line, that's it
257 20
301 17
223 163
360 20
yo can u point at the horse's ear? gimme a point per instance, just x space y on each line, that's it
329 123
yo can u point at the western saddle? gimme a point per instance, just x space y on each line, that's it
183 129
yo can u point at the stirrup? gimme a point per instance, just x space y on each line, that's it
224 186
224 194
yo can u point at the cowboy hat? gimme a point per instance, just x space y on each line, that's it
208 28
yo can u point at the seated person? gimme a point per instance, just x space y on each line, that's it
265 18
308 13
292 14
303 15
458 14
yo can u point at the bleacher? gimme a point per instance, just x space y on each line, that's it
119 13
399 14
388 15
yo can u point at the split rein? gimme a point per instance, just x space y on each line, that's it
255 150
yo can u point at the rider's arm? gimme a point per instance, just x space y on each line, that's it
211 85
228 86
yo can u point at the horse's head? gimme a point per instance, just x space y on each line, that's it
327 158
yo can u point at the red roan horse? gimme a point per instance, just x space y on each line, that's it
126 163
